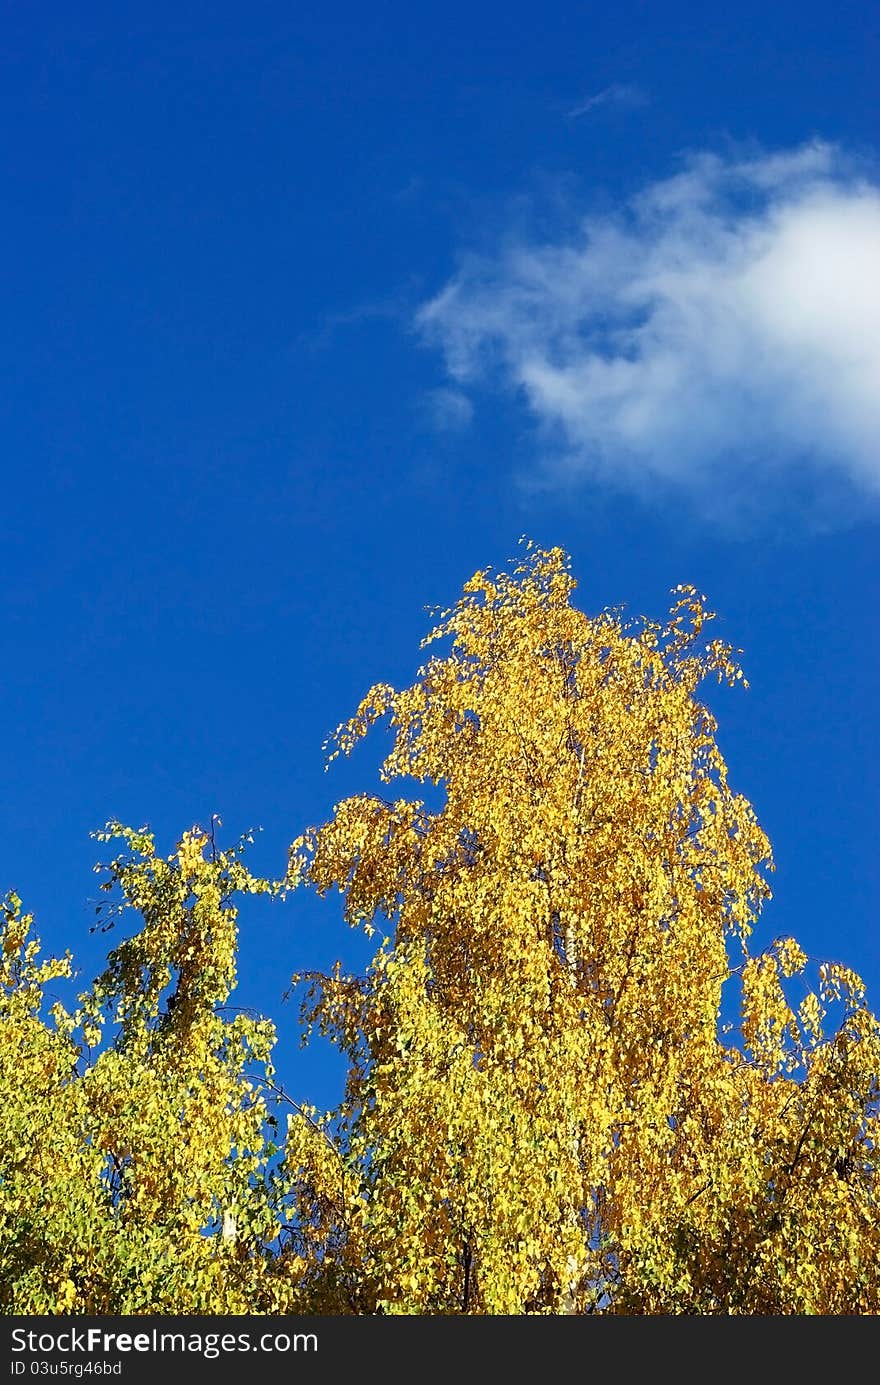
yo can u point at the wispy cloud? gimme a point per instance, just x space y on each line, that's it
721 331
396 307
624 94
447 410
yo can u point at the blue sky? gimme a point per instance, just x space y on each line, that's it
310 311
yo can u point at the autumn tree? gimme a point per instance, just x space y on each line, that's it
544 1112
137 1167
574 1083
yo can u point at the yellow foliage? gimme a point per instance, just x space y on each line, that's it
543 1113
545 1116
118 1167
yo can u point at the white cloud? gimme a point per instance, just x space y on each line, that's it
623 94
722 331
446 410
